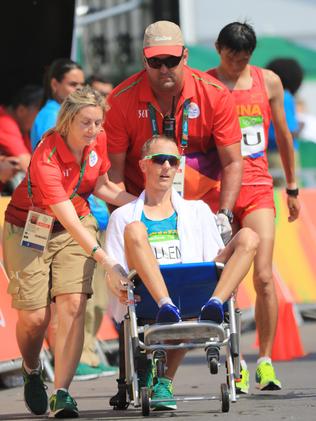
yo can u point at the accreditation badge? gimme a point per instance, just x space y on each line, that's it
178 182
37 230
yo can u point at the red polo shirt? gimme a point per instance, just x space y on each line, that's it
54 174
212 123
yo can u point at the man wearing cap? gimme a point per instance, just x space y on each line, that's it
167 97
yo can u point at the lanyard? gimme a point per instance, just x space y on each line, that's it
185 122
82 171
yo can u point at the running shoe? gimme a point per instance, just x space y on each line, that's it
86 372
163 389
242 385
212 311
266 378
168 313
106 370
62 405
35 395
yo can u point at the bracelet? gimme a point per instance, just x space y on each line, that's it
292 192
95 248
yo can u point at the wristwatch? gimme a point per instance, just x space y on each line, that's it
292 192
228 213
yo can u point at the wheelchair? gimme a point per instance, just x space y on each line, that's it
141 338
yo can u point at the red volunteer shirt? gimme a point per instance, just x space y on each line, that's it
212 123
54 174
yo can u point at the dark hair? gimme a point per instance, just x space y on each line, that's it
237 36
289 71
57 70
97 78
29 95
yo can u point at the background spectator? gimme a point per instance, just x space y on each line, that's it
62 77
101 84
16 119
90 363
291 74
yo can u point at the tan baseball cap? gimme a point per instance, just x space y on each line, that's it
163 37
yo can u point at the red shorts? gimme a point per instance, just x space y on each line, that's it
252 198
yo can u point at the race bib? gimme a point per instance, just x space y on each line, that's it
253 138
166 247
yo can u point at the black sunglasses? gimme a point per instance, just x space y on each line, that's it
169 62
161 158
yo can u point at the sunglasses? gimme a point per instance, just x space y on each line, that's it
169 62
161 158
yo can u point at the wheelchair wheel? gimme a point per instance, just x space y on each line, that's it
213 365
225 397
145 401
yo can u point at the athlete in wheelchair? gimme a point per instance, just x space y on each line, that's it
158 229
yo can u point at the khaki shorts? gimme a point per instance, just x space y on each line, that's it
37 278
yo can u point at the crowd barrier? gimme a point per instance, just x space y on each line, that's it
294 269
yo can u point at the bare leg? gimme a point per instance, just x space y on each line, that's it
52 328
30 332
69 338
140 257
266 310
238 256
174 358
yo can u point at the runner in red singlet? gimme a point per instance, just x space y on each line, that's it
258 95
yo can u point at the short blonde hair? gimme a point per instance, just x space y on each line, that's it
154 139
73 103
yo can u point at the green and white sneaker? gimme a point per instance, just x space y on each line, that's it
242 386
62 405
86 372
107 370
35 395
266 378
163 392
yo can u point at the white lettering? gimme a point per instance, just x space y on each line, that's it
142 113
163 38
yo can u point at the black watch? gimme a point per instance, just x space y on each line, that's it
292 192
228 213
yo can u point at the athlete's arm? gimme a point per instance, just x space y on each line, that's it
232 170
282 133
283 136
116 172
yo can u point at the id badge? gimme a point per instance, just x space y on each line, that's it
37 230
178 182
